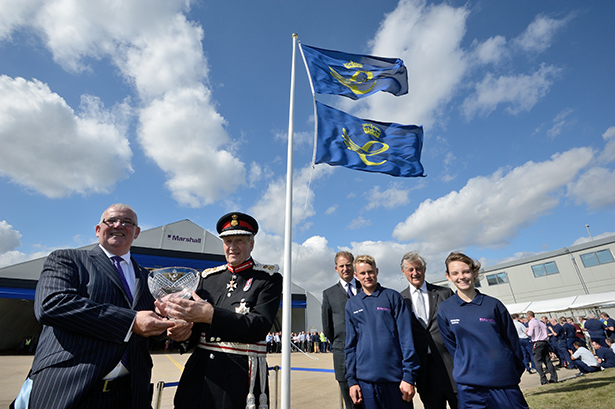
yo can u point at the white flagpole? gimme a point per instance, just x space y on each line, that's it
288 227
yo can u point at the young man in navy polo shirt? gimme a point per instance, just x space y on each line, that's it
381 364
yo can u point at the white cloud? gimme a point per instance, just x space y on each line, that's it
559 122
331 210
9 238
270 209
609 133
255 174
490 51
185 137
160 53
489 211
520 92
388 256
312 260
300 139
448 162
594 187
390 198
47 148
14 13
583 240
74 30
427 38
358 223
539 34
608 153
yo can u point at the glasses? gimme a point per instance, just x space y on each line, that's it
114 220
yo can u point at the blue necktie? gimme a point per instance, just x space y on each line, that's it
120 272
348 290
118 267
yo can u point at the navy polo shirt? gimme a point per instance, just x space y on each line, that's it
379 343
607 356
481 337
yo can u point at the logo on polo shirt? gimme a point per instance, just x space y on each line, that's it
455 321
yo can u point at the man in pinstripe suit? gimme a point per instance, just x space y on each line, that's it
93 351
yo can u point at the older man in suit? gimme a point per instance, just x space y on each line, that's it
97 314
334 318
434 382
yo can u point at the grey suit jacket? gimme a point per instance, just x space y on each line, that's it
429 340
334 325
86 315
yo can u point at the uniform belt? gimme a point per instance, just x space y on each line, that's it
112 384
258 349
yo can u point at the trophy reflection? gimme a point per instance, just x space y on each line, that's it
169 282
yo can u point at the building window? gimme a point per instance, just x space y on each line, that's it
546 269
598 257
499 278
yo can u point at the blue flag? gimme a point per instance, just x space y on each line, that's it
365 145
353 75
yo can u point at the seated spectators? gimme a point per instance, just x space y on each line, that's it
606 357
584 359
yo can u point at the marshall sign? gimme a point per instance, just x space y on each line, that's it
174 237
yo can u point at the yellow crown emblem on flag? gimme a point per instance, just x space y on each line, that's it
352 64
372 130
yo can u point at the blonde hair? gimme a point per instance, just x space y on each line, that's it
364 259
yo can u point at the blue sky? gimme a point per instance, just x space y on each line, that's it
180 109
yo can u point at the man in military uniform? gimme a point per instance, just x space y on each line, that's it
233 309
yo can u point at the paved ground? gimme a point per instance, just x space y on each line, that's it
309 389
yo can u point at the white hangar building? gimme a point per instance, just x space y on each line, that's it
575 280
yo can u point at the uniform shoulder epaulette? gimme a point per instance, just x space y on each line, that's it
213 270
267 268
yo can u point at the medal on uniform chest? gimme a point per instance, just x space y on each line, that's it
230 287
248 284
242 308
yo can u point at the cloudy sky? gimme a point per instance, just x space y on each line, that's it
181 108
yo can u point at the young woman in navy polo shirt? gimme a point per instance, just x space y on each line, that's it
481 337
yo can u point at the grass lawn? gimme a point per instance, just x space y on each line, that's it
592 391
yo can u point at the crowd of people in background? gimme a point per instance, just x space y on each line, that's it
574 345
313 342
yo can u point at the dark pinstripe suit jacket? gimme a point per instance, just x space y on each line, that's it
334 324
86 315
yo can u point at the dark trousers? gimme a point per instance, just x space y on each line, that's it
383 395
433 386
562 352
528 356
483 397
584 368
541 356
